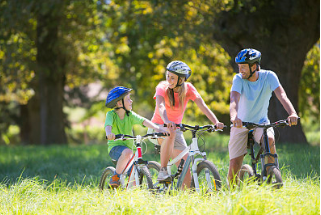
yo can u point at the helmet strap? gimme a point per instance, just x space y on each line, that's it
123 107
251 73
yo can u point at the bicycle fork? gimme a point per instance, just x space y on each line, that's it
265 157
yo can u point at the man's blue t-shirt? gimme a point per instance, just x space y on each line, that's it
255 96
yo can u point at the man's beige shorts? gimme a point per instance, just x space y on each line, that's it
237 145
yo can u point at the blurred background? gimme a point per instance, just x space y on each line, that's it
60 58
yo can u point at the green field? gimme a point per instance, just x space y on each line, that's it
64 180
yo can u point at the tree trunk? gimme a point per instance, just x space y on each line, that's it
45 109
284 31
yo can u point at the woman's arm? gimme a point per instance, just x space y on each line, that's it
210 115
160 103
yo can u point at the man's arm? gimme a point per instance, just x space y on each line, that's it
234 105
286 103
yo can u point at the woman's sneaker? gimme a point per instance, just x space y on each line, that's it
114 181
163 175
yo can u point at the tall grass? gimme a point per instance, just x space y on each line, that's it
64 180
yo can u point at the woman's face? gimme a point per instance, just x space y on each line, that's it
171 78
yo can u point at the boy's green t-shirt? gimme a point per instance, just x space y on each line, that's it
124 126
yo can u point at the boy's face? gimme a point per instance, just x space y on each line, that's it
127 102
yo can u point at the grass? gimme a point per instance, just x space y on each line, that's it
64 180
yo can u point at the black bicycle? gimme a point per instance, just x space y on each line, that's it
271 175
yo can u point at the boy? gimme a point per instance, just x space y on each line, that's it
120 120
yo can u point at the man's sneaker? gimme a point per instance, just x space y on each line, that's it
163 175
114 181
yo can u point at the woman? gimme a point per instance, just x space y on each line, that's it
171 97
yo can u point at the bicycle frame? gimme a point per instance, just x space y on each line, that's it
192 150
136 161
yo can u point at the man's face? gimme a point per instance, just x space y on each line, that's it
244 69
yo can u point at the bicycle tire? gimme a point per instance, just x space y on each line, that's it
207 184
107 174
245 174
145 179
154 168
274 177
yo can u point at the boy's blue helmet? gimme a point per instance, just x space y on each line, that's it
248 56
115 95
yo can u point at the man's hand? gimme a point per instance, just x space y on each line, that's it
236 122
293 119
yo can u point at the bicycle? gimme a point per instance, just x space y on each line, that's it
139 174
205 176
273 174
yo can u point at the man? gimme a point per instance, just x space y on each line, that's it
250 95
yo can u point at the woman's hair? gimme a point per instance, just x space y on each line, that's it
181 93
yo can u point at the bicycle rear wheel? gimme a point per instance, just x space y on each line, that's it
245 174
105 177
274 177
145 180
208 177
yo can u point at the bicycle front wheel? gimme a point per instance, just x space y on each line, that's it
105 177
245 174
274 177
208 177
145 180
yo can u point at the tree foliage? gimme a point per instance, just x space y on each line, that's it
125 43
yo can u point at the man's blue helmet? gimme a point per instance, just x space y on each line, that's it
248 56
115 95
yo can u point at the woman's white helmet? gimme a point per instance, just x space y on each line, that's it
179 68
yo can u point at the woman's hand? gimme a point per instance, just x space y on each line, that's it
171 128
220 125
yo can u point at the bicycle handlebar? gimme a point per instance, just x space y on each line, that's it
185 127
127 137
279 123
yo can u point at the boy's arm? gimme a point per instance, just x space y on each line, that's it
286 103
152 125
109 134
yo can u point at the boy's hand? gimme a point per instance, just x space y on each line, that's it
111 136
162 130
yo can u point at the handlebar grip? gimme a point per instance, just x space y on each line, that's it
161 134
119 136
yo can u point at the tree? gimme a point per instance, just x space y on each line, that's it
48 46
284 31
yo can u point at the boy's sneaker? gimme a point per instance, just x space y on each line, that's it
163 175
114 181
